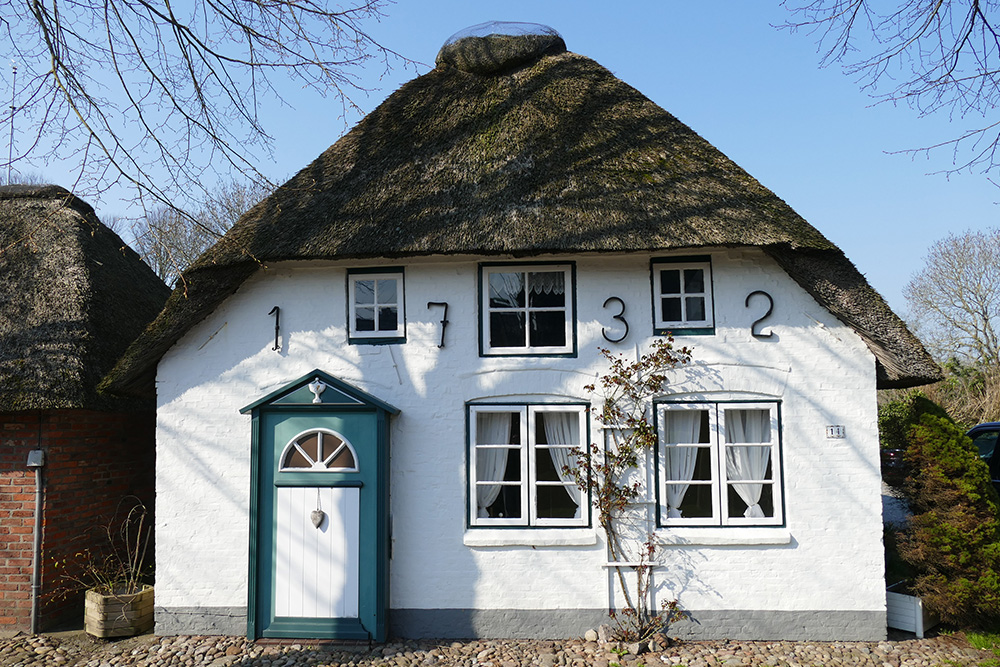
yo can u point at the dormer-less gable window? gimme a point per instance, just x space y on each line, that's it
376 307
527 309
682 296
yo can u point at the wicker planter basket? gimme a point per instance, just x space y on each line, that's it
118 615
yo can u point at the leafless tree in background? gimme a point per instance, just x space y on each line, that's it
935 55
955 299
26 178
169 241
163 96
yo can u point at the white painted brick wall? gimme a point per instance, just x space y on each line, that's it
819 369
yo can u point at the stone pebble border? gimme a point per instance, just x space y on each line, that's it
79 650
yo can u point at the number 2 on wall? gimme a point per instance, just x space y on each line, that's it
754 331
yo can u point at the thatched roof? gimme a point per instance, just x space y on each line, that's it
72 298
555 155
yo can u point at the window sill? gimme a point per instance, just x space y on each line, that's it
375 340
719 537
529 537
500 353
684 331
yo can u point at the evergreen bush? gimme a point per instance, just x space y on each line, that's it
897 416
953 538
895 419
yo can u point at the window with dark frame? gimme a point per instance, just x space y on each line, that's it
527 310
518 460
682 295
376 306
719 464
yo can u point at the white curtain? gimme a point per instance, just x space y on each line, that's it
491 428
682 426
748 462
563 428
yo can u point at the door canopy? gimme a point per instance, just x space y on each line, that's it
322 390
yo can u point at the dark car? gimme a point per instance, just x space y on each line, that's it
893 467
984 437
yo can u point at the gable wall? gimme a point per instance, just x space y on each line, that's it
819 575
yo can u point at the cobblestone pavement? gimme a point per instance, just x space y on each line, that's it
79 650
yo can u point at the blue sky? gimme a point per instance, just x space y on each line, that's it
757 93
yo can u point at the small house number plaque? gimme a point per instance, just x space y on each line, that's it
836 432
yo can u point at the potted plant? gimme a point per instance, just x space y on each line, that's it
118 600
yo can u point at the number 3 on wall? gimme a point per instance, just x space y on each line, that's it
754 331
620 317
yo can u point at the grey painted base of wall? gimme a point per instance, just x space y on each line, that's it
561 623
566 623
200 620
494 623
791 625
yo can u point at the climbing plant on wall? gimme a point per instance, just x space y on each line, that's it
610 471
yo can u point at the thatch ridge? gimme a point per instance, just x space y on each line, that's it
493 54
557 156
74 296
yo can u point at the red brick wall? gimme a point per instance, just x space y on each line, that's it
93 460
17 486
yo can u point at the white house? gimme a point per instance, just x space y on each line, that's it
367 390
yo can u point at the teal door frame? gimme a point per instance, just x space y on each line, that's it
364 420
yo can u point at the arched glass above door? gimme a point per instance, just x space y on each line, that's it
319 450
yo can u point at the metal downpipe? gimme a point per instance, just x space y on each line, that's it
36 460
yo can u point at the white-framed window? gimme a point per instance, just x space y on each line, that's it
527 309
518 460
682 295
375 305
719 464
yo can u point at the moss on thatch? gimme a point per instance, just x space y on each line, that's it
73 297
557 156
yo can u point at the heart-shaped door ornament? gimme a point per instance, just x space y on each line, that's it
317 517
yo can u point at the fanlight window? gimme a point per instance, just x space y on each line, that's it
319 451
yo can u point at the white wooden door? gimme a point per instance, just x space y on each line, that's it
316 568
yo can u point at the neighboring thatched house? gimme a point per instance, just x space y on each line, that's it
72 298
442 278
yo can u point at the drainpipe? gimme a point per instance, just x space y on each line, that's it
36 460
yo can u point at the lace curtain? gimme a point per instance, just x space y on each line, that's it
547 282
506 289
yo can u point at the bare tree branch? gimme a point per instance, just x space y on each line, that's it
934 55
169 241
163 96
